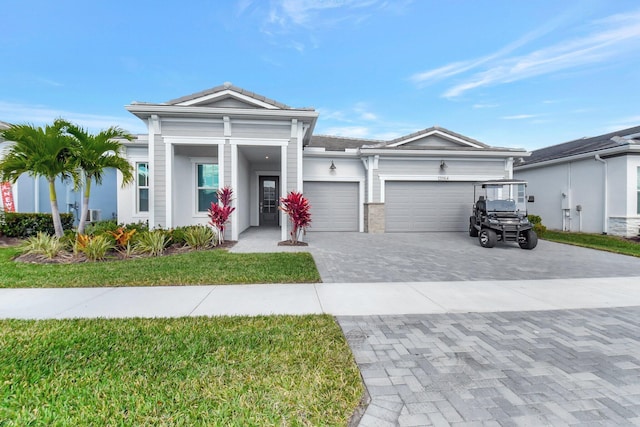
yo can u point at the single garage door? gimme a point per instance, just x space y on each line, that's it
334 205
427 206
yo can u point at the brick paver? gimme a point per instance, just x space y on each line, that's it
569 367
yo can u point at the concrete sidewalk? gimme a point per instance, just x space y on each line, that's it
360 299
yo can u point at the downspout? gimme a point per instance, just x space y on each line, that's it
605 221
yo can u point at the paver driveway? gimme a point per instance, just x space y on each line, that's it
549 368
427 257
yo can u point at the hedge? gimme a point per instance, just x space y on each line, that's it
23 225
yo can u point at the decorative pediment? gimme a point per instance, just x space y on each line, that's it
228 96
435 137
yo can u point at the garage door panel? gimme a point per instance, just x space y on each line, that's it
334 205
427 206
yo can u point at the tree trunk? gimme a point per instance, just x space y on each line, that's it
85 206
55 212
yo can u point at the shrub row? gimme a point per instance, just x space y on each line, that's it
23 225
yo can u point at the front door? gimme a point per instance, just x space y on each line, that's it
269 190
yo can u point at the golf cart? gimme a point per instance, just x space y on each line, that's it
500 214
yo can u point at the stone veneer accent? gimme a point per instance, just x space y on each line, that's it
374 217
624 226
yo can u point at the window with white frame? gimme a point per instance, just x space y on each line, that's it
207 185
142 184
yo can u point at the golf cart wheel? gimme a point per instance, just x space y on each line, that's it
529 240
473 232
487 238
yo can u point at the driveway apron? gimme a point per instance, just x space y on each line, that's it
551 368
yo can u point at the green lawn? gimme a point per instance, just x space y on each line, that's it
193 268
596 241
279 370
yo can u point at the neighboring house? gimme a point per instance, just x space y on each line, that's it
264 149
590 184
32 195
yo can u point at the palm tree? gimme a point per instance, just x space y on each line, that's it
39 152
94 154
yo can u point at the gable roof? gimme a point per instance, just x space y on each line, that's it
585 145
402 144
462 140
227 90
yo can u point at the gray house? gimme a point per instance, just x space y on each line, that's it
264 149
589 184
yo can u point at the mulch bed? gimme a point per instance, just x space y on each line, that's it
70 258
290 243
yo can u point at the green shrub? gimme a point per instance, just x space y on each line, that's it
152 242
101 227
42 244
199 237
23 225
138 226
96 247
536 220
178 235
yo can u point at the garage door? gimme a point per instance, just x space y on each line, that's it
427 206
334 205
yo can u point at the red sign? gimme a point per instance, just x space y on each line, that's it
7 197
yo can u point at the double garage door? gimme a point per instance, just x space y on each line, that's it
427 206
334 205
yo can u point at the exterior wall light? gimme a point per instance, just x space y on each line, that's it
443 165
332 167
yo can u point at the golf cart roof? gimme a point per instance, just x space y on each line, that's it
500 182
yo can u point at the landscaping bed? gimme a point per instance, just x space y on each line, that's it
603 242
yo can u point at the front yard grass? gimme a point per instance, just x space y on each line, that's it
596 241
278 370
193 268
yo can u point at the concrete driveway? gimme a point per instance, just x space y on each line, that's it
428 257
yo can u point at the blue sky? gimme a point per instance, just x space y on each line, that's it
508 73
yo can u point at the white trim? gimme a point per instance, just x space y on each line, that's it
192 120
195 161
312 152
259 142
168 161
232 94
152 173
445 135
454 154
299 160
142 110
284 225
432 178
194 140
221 181
234 186
360 180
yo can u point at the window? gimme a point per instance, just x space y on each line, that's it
142 183
638 192
207 185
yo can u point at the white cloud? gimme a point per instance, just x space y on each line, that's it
40 115
480 106
623 123
608 38
519 117
348 131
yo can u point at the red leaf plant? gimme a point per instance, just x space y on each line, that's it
220 212
298 208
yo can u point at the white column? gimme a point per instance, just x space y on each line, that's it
169 184
234 186
284 219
